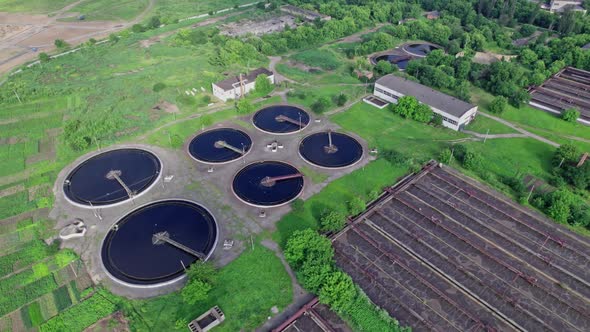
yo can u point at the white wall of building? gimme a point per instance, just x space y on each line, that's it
449 121
236 91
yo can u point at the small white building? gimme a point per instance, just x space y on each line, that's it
233 87
558 6
456 113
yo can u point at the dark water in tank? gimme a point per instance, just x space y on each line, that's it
421 49
87 183
349 150
399 60
203 146
129 254
247 183
265 119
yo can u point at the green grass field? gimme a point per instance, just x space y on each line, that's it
110 10
246 290
482 124
33 6
178 9
530 118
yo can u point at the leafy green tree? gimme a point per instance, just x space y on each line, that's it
445 156
195 291
313 274
332 221
321 105
498 105
527 56
568 153
356 206
570 115
423 114
383 67
338 291
201 277
262 84
308 245
243 106
462 90
113 38
560 205
406 106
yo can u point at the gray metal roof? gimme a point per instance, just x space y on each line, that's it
229 83
426 95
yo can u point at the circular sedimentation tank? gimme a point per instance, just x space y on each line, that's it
401 61
281 119
220 145
420 49
112 177
138 249
330 150
268 184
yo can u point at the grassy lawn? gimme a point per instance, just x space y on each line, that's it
175 135
33 6
336 195
307 95
185 8
386 130
481 125
110 10
246 290
530 118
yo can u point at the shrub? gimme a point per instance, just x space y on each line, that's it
356 206
472 161
320 105
437 119
498 105
445 156
43 57
60 43
200 276
137 28
159 87
338 291
570 115
332 221
395 157
308 245
565 153
243 106
340 99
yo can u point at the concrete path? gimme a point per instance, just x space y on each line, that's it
492 136
274 60
520 130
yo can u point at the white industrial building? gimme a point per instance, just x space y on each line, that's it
456 113
559 6
235 87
